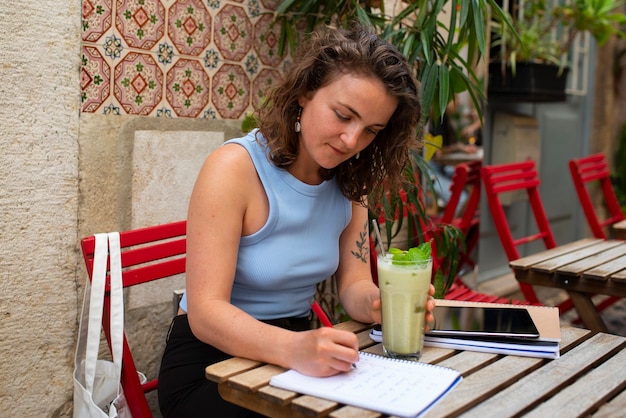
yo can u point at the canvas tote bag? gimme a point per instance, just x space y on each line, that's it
97 388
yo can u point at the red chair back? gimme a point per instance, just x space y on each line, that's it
466 176
589 171
511 177
148 254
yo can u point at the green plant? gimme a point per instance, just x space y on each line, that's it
447 241
248 123
442 51
543 31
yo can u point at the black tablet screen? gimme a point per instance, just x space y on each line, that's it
486 321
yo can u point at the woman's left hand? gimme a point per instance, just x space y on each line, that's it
430 305
375 306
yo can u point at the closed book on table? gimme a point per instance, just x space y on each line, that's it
545 318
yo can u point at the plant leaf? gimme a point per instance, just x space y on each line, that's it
431 145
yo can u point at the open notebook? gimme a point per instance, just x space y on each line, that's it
383 384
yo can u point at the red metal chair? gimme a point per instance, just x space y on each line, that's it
466 175
516 177
147 254
591 171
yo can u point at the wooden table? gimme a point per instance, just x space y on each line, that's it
454 158
619 229
589 376
582 268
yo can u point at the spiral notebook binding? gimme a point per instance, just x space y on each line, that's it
400 360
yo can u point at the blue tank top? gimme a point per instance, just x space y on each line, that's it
279 266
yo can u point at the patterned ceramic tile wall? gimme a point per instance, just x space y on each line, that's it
178 58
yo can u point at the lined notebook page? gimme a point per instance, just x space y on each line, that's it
383 384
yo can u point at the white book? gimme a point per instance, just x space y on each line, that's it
535 348
547 345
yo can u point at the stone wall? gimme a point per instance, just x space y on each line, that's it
39 132
67 172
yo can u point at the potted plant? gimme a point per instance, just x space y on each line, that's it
531 56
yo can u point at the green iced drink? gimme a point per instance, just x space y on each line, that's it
404 286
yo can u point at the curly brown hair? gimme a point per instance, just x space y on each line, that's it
327 53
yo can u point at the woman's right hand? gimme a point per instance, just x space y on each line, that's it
325 351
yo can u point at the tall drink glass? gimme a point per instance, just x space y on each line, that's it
404 289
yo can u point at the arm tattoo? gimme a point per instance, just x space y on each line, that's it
362 245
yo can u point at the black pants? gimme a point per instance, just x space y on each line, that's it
184 391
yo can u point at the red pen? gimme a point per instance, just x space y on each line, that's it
321 315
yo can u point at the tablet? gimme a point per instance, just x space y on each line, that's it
483 321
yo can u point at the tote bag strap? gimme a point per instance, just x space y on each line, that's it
94 303
117 301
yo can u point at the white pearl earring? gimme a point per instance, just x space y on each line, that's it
297 127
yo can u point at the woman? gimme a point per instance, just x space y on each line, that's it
276 212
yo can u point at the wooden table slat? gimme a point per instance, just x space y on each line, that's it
571 337
435 355
220 372
353 326
595 261
606 270
468 362
276 395
614 408
588 393
254 402
354 412
619 229
311 406
365 340
620 276
484 384
542 384
557 262
488 381
253 380
613 287
526 262
620 224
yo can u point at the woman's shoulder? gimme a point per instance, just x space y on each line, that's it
230 160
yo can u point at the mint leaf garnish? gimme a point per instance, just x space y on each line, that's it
419 253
